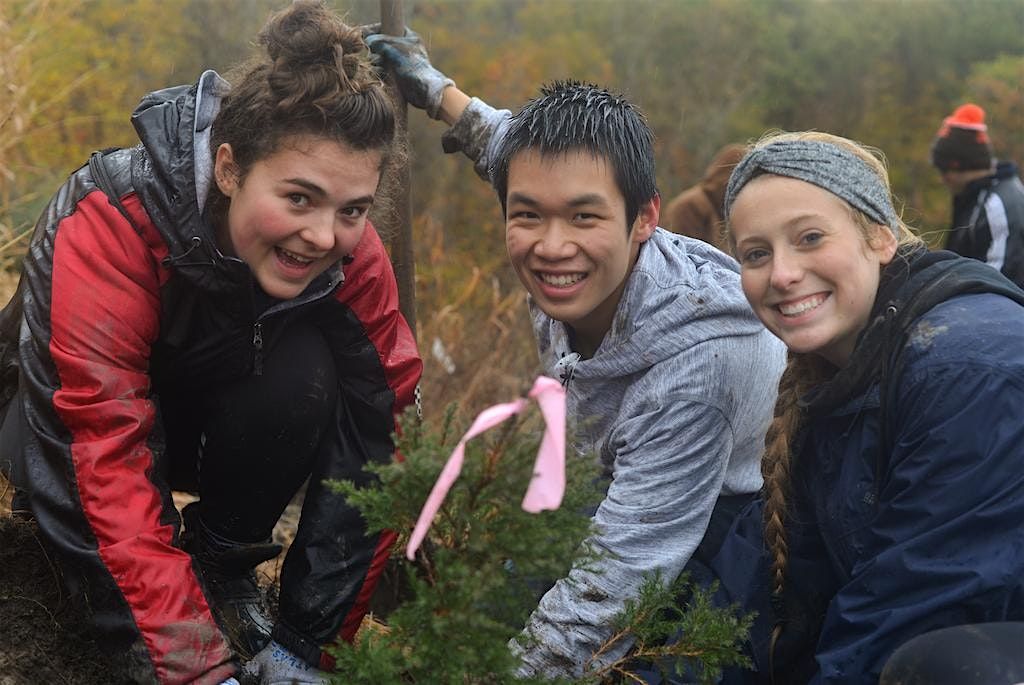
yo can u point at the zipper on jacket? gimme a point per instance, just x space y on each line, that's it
257 343
257 328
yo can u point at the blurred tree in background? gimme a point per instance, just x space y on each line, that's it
706 72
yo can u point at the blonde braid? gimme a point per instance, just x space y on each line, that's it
803 371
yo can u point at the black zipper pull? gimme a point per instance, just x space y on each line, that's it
257 343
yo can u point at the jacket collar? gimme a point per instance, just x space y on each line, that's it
912 284
868 355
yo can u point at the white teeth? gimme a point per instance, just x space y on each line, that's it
297 258
561 279
802 306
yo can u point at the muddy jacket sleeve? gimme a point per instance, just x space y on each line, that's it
88 454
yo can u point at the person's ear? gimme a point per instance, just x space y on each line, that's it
646 220
884 243
225 171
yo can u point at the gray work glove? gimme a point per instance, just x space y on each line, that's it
276 665
420 83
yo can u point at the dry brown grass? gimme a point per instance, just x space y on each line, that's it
476 357
6 492
474 330
8 282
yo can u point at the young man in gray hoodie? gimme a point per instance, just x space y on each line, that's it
671 379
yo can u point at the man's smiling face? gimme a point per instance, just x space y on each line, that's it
568 238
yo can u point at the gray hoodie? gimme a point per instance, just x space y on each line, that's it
675 402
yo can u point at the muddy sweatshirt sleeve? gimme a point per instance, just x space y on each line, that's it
91 314
670 460
478 134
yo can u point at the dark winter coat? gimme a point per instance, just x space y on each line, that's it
906 515
110 309
988 222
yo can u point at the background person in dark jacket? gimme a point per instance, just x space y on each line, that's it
697 211
988 197
894 468
211 311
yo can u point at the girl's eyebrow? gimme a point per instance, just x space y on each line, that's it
321 193
308 185
364 200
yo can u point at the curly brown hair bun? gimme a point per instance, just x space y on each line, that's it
316 78
315 58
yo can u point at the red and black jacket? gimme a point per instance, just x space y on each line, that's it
113 303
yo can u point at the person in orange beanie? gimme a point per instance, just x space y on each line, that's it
988 197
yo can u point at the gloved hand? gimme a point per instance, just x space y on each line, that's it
420 83
230 681
275 665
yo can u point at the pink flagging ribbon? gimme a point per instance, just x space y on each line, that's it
548 483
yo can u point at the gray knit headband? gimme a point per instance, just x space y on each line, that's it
827 166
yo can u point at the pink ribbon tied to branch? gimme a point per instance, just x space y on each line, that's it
548 483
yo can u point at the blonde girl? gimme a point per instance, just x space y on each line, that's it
893 502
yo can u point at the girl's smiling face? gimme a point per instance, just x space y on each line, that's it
297 211
808 271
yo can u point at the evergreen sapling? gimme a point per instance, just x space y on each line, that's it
485 564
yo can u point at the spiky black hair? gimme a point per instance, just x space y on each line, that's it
572 115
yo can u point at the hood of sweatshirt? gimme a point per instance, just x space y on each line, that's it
681 292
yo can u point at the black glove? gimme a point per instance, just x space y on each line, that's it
420 83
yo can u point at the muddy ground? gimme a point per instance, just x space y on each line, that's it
45 635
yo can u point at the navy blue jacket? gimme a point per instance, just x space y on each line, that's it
891 536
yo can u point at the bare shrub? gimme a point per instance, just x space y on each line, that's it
474 329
